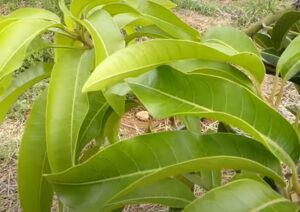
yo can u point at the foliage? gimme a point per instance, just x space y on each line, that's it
104 50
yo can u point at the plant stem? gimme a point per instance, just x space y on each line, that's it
272 97
296 124
254 28
296 185
280 94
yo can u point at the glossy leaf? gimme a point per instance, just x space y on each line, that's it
94 121
140 161
20 84
32 13
288 64
282 26
263 40
67 105
232 37
241 195
106 35
215 69
140 58
170 192
220 99
34 191
13 46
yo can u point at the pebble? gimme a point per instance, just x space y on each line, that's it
142 115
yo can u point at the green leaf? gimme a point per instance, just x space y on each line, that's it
106 35
282 26
94 121
263 40
67 106
111 129
170 192
211 179
140 58
236 39
34 191
126 166
32 13
20 84
241 195
220 99
289 63
13 46
167 21
215 69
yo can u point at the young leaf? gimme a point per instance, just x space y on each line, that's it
67 106
20 84
140 58
220 99
34 191
107 37
288 64
282 27
241 195
140 161
13 46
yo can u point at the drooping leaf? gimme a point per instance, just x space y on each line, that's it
67 105
106 35
140 58
170 192
289 62
34 191
32 13
20 83
94 121
143 160
282 26
234 38
263 40
220 99
241 195
211 179
215 69
13 46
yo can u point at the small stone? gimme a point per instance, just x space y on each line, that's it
142 115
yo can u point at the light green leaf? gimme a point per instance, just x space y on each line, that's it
288 64
20 84
106 35
67 106
241 195
220 99
211 179
232 37
126 166
13 46
140 58
170 192
215 69
34 191
32 13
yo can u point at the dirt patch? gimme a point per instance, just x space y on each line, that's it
201 22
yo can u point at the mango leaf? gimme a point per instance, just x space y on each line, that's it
106 35
94 121
34 191
13 46
170 192
220 99
215 69
140 58
67 105
289 63
263 40
20 84
32 13
211 179
167 21
241 195
234 38
282 26
4 83
77 6
140 161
